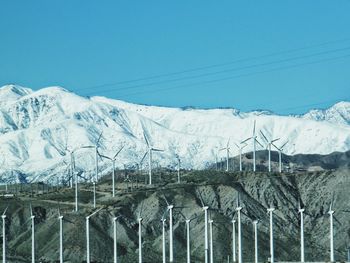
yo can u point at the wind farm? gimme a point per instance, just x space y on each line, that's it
174 132
145 199
209 218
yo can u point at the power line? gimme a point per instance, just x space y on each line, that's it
235 77
226 71
215 65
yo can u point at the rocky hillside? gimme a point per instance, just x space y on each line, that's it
218 190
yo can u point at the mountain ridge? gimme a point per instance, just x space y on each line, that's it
39 127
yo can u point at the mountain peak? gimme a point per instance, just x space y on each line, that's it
13 92
339 113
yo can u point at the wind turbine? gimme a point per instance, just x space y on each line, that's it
32 217
233 240
227 148
140 239
254 140
139 220
255 225
269 143
280 150
188 240
331 232
163 220
171 232
170 208
206 238
96 156
60 218
88 234
150 149
238 209
302 254
270 211
206 245
211 241
72 171
115 252
240 148
113 159
4 236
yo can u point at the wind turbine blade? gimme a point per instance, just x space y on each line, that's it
275 140
259 143
157 150
164 213
66 220
228 142
246 140
95 212
147 142
236 145
104 156
263 135
118 151
141 208
245 145
194 217
182 215
166 200
254 128
31 210
5 210
99 138
336 219
200 197
283 145
222 149
274 145
144 156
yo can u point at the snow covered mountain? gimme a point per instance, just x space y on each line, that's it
39 128
339 113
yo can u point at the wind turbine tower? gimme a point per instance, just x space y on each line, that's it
238 209
227 148
211 241
302 253
240 148
254 140
88 235
150 149
4 236
269 143
270 211
163 220
32 217
234 240
140 239
256 255
60 218
331 233
280 150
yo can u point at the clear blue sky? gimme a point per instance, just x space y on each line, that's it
82 45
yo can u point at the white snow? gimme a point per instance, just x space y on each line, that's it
39 128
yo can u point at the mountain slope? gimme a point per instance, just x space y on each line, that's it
39 128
